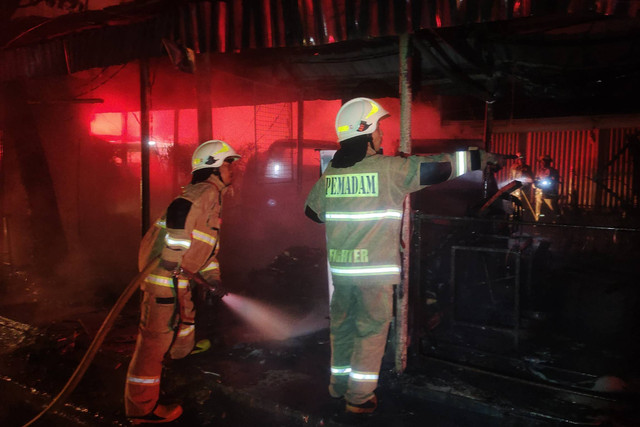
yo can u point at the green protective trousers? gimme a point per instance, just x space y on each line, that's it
360 318
166 327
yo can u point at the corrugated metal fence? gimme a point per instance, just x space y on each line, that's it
596 166
620 173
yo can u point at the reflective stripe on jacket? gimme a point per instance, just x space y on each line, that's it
195 246
362 208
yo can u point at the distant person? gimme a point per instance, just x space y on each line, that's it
188 247
521 171
360 198
547 190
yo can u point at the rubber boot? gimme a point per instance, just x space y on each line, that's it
160 414
363 408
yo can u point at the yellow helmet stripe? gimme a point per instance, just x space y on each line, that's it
343 128
374 109
224 149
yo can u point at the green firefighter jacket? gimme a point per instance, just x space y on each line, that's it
362 208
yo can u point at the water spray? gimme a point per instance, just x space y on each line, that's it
270 321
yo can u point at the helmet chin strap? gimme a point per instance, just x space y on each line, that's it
378 151
217 174
226 184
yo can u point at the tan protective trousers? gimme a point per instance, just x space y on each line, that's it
360 318
551 204
166 326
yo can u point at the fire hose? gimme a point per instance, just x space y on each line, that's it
106 326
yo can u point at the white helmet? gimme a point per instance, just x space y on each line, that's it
212 154
359 116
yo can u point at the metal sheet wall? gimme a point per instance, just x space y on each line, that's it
505 143
575 154
618 176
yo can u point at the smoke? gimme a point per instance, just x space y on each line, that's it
93 152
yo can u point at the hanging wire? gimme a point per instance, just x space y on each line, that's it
102 83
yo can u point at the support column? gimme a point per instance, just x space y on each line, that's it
145 198
402 294
488 124
203 93
175 182
405 93
20 135
300 141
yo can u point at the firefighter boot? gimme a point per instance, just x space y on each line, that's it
363 408
201 346
160 414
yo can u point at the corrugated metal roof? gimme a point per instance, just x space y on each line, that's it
327 46
118 34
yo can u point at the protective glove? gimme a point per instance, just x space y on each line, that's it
481 159
215 289
494 161
211 291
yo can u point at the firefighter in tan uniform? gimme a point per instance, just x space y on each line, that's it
547 190
359 198
521 171
187 238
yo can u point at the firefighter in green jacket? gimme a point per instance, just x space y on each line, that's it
359 198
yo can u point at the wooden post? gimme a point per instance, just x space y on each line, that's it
405 94
402 291
175 158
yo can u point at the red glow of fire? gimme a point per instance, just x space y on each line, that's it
126 125
107 124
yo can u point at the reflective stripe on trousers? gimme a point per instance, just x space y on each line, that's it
360 317
354 375
164 327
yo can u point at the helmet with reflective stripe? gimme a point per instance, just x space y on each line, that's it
212 154
359 116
